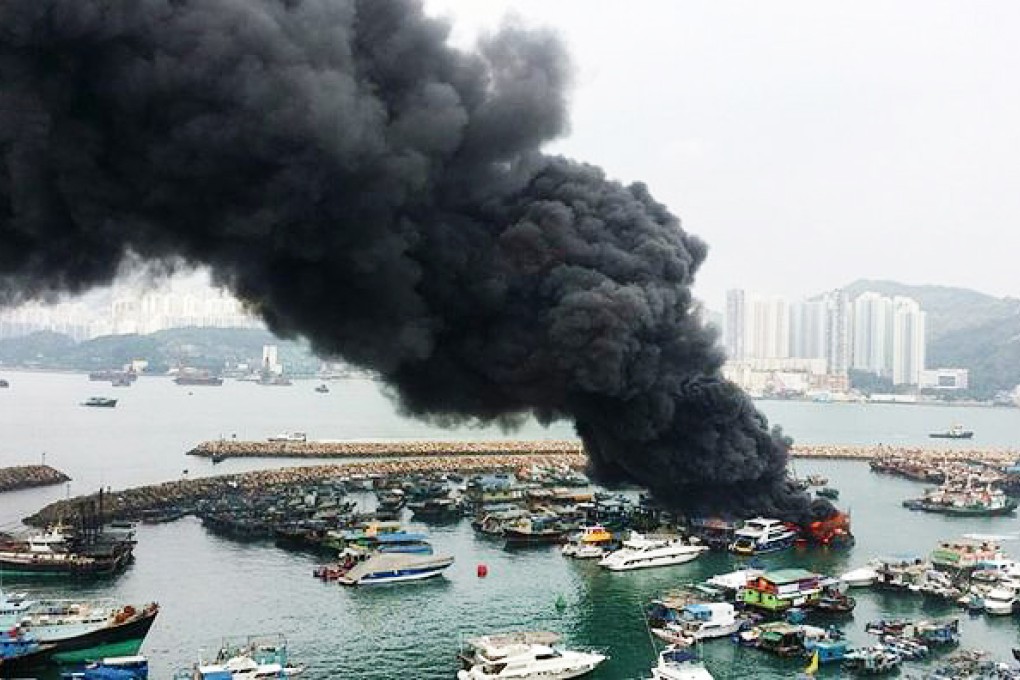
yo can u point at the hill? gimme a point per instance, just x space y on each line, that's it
966 329
211 348
949 309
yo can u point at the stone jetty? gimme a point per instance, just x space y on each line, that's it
28 476
132 503
230 448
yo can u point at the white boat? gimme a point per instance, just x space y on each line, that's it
860 578
524 655
700 621
1002 599
762 535
640 552
289 437
680 664
395 567
590 543
258 658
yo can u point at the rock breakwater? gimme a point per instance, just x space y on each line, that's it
230 448
29 476
991 456
133 503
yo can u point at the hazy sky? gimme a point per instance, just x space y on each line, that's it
809 143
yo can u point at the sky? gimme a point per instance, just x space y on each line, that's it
809 143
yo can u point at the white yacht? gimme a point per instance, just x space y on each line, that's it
862 577
680 664
761 535
1002 599
700 621
640 552
524 655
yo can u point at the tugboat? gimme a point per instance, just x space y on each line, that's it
101 402
954 432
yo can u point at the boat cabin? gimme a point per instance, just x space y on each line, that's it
782 639
777 591
964 553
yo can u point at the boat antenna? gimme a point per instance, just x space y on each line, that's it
648 629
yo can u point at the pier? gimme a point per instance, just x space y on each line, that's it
29 476
132 503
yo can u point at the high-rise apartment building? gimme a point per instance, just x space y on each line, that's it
767 328
734 324
808 328
872 333
908 345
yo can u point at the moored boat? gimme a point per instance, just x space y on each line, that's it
55 552
79 630
762 535
251 658
395 568
676 663
523 656
699 621
641 552
862 577
112 668
20 650
592 542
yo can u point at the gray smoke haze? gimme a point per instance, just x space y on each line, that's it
362 184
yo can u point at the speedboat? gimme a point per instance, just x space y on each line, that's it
522 656
112 668
102 402
761 535
640 552
258 658
700 621
395 567
1002 599
680 664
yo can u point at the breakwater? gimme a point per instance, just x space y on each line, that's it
29 476
133 503
224 448
229 448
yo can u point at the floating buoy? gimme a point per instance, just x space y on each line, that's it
561 603
483 571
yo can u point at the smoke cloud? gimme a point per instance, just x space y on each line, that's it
361 183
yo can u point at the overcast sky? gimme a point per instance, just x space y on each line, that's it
809 143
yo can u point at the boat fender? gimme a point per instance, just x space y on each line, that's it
483 571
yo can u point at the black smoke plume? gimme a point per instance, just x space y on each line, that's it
361 183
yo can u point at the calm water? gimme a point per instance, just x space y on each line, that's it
210 587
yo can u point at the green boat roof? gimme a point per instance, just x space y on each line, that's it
780 576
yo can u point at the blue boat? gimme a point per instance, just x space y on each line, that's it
20 650
112 668
394 568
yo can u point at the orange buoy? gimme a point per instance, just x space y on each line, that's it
483 571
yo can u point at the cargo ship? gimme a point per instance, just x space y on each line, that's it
200 378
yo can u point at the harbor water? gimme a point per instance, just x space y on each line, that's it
210 587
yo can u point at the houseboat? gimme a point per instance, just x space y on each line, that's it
777 591
965 554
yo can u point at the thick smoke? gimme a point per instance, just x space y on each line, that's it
360 183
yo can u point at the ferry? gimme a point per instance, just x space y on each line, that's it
639 552
761 535
522 656
395 568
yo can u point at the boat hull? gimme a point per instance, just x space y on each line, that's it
119 640
13 565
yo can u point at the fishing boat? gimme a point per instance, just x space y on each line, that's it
817 480
699 621
523 656
954 432
322 389
253 658
20 650
55 552
100 402
828 492
535 530
592 542
676 663
79 630
969 501
4 383
944 633
434 509
640 552
762 535
395 568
